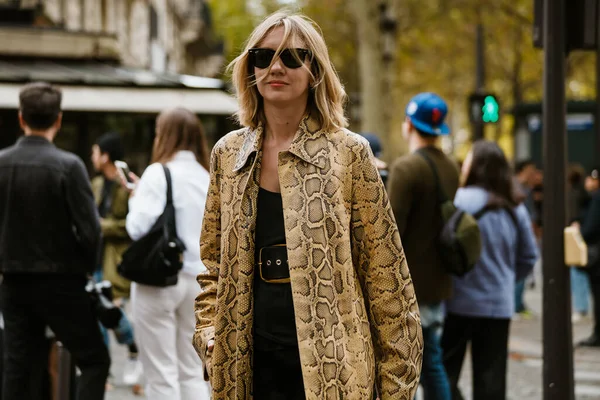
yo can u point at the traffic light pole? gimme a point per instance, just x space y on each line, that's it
558 342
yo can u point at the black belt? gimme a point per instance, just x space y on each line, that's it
273 264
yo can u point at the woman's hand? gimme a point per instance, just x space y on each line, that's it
208 363
131 184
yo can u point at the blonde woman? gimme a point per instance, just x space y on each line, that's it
307 293
163 317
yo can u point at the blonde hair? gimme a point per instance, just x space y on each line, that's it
326 95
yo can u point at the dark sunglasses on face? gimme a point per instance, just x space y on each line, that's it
262 58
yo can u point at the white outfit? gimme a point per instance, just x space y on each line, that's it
163 318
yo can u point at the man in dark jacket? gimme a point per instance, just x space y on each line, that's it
413 196
49 239
590 230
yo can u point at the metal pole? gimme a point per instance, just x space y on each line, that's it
63 387
558 342
478 126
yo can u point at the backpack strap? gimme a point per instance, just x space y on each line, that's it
170 220
441 195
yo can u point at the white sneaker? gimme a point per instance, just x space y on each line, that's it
133 372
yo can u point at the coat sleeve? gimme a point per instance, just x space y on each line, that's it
590 227
386 283
84 214
210 253
399 189
114 228
527 251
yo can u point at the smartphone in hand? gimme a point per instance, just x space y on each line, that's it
124 172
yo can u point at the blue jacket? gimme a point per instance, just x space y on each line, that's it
509 252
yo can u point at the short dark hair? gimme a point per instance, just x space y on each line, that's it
521 165
575 174
426 135
111 144
39 103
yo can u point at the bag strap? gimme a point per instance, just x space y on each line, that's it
170 220
169 188
441 195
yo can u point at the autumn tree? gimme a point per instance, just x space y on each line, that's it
435 51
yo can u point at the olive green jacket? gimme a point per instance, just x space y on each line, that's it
115 238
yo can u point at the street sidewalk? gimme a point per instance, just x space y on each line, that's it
525 364
526 350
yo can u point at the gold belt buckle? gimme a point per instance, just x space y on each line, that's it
267 264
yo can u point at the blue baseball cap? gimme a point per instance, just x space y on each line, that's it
427 112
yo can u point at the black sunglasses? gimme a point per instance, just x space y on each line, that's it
262 58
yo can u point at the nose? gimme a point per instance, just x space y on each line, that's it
277 66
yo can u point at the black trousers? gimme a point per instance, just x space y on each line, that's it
30 304
489 351
278 374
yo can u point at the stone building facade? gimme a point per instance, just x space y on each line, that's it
159 35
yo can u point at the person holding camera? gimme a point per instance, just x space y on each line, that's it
112 201
49 240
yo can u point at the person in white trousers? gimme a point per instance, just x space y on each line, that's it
164 317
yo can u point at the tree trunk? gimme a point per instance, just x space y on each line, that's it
370 60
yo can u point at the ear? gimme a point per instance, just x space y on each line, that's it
58 122
409 125
22 122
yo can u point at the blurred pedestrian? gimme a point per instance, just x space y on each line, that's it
525 174
164 316
577 201
111 199
307 293
590 230
480 310
413 191
49 241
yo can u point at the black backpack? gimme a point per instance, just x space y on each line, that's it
459 241
156 258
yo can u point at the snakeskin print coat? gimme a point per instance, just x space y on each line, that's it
357 318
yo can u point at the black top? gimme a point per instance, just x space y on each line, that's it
274 322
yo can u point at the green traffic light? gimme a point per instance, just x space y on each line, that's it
490 109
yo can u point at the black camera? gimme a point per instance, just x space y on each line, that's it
107 312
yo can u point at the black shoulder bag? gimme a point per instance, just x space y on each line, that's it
156 258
